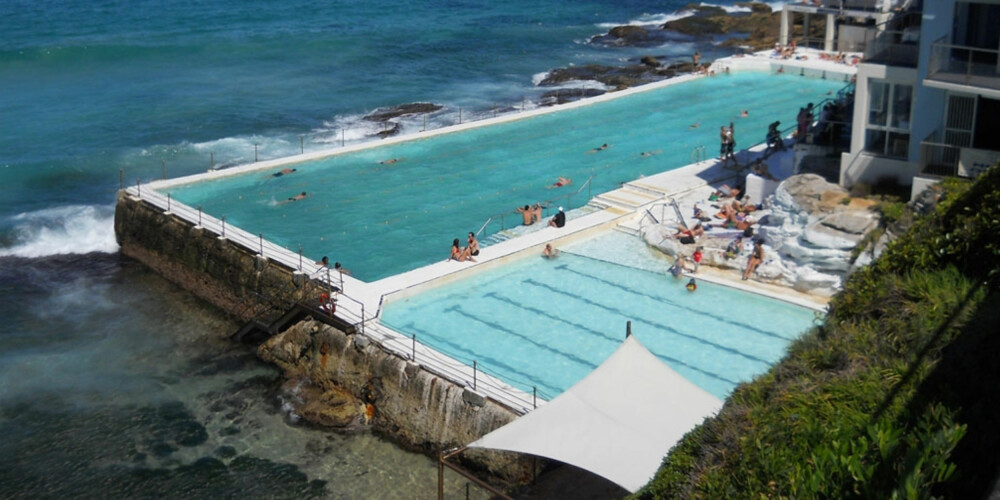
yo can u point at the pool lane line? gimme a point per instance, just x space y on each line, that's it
615 340
421 333
664 299
652 323
496 326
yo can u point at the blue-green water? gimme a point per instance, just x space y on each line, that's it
547 323
115 384
382 219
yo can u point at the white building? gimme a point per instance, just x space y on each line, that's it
927 105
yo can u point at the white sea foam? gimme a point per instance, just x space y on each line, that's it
660 18
73 229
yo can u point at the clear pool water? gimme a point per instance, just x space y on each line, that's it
548 323
383 219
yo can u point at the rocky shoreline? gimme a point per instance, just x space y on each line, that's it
751 30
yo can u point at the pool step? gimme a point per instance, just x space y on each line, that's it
627 198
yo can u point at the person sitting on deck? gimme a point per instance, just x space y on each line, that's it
756 258
527 215
460 254
734 248
473 244
559 220
773 139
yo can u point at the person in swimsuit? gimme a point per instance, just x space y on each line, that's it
756 258
458 253
561 181
536 213
602 147
297 197
284 171
549 252
527 214
473 244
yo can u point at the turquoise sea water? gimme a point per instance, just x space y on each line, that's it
114 383
382 219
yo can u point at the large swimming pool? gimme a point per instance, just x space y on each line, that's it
381 219
548 323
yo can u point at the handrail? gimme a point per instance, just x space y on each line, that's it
393 342
545 204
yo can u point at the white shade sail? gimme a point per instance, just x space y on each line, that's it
618 422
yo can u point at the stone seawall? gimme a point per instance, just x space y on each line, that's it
398 399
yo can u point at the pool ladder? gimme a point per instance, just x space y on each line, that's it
697 154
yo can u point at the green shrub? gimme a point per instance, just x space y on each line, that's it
849 412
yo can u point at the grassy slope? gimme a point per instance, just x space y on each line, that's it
893 396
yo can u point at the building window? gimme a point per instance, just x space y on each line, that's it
887 132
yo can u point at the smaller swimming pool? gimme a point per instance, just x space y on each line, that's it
548 323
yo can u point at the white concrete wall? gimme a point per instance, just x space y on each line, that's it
870 169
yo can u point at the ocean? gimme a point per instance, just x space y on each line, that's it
113 382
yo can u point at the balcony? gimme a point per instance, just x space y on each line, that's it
940 159
961 66
893 48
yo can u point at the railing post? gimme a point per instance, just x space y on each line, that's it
302 144
474 370
459 116
300 258
163 167
199 215
168 203
261 235
211 161
628 328
138 188
362 312
342 133
255 152
223 227
534 397
121 178
413 348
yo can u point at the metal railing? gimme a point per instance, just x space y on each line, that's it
892 48
697 154
965 65
939 159
354 312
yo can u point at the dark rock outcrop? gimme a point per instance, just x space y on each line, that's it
413 108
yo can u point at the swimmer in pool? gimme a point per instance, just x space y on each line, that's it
390 161
602 147
284 171
298 196
560 182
